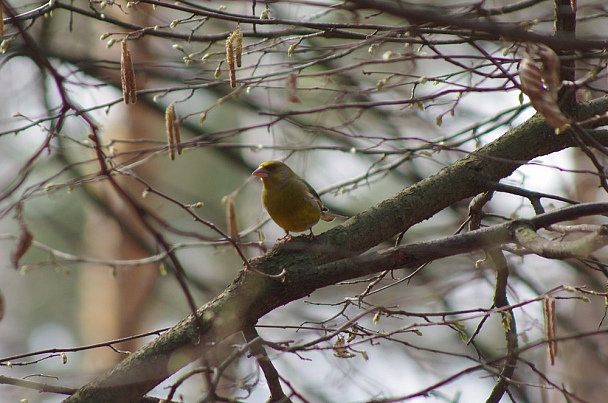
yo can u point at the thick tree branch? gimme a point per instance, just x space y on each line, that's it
510 32
331 258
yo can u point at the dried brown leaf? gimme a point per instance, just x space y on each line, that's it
550 68
25 239
353 334
340 350
533 85
291 84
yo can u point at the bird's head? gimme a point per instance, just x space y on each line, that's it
273 173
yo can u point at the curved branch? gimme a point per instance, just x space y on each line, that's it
581 247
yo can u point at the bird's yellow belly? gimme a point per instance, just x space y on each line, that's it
291 214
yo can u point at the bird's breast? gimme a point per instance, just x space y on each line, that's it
292 207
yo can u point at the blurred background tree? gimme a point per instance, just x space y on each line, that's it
128 133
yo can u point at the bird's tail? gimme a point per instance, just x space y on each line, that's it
327 216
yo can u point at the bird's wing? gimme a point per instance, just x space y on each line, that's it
325 214
315 198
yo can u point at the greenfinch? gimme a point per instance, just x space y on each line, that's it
290 201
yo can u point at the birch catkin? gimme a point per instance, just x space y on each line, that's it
239 45
127 76
1 21
230 60
170 126
234 56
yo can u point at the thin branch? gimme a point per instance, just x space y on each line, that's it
508 324
270 372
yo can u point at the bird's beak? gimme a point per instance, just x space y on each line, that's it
261 172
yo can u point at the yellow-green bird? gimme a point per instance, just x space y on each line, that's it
290 201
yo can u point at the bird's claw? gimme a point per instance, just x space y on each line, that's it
285 238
